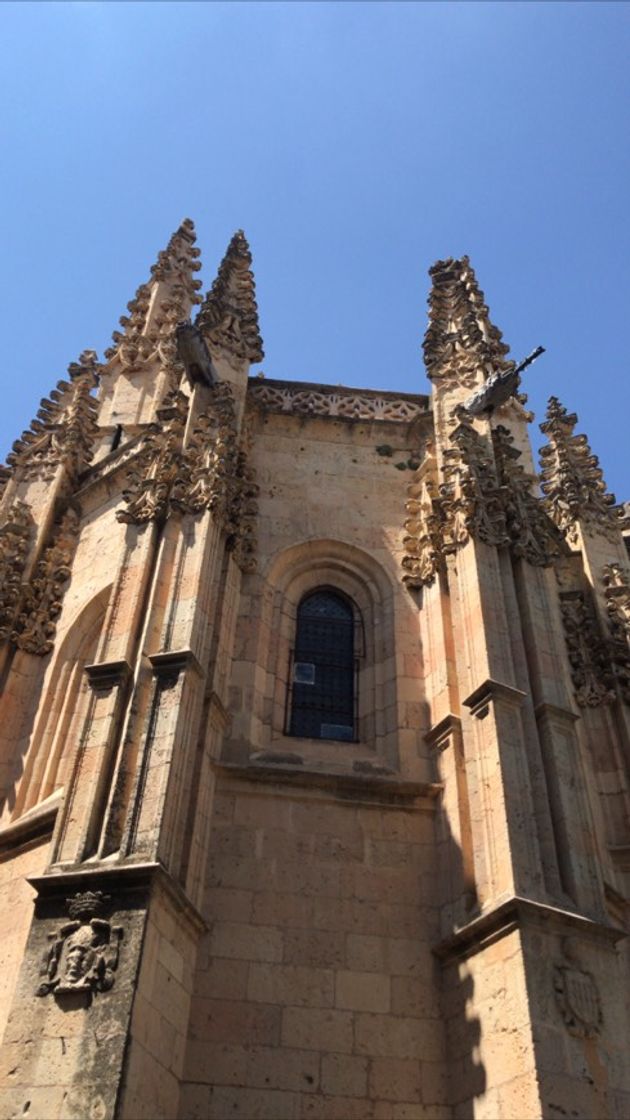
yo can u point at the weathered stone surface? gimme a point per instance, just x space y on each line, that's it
419 912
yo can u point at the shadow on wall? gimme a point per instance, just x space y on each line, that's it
467 1077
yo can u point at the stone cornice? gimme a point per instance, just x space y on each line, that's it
171 662
119 878
442 732
36 824
382 788
491 690
339 402
514 913
108 674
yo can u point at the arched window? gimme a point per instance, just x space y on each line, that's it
323 673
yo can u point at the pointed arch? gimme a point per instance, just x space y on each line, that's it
54 738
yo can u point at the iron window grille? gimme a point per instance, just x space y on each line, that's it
322 694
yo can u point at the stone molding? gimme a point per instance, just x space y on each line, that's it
119 880
210 472
442 734
33 825
371 788
617 592
169 664
154 470
482 496
423 540
491 691
105 675
337 403
532 534
15 540
42 601
514 913
589 657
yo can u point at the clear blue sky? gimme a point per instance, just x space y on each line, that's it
355 143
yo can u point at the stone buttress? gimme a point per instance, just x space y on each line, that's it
420 914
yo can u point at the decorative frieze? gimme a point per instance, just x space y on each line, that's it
15 539
64 429
83 954
42 600
228 317
617 592
591 670
345 405
572 480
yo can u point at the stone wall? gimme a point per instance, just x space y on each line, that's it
317 993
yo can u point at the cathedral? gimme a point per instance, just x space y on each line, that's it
315 746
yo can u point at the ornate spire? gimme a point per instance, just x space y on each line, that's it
572 479
460 340
149 328
229 315
65 426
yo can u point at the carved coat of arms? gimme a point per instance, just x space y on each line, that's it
83 953
578 1000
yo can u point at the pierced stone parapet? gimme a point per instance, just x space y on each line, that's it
344 404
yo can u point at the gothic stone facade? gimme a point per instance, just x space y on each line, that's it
230 890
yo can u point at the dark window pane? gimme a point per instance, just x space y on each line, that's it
323 697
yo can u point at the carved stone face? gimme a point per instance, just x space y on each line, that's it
79 955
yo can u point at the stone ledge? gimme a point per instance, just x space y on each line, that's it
37 823
386 789
172 662
439 735
513 914
118 877
491 691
